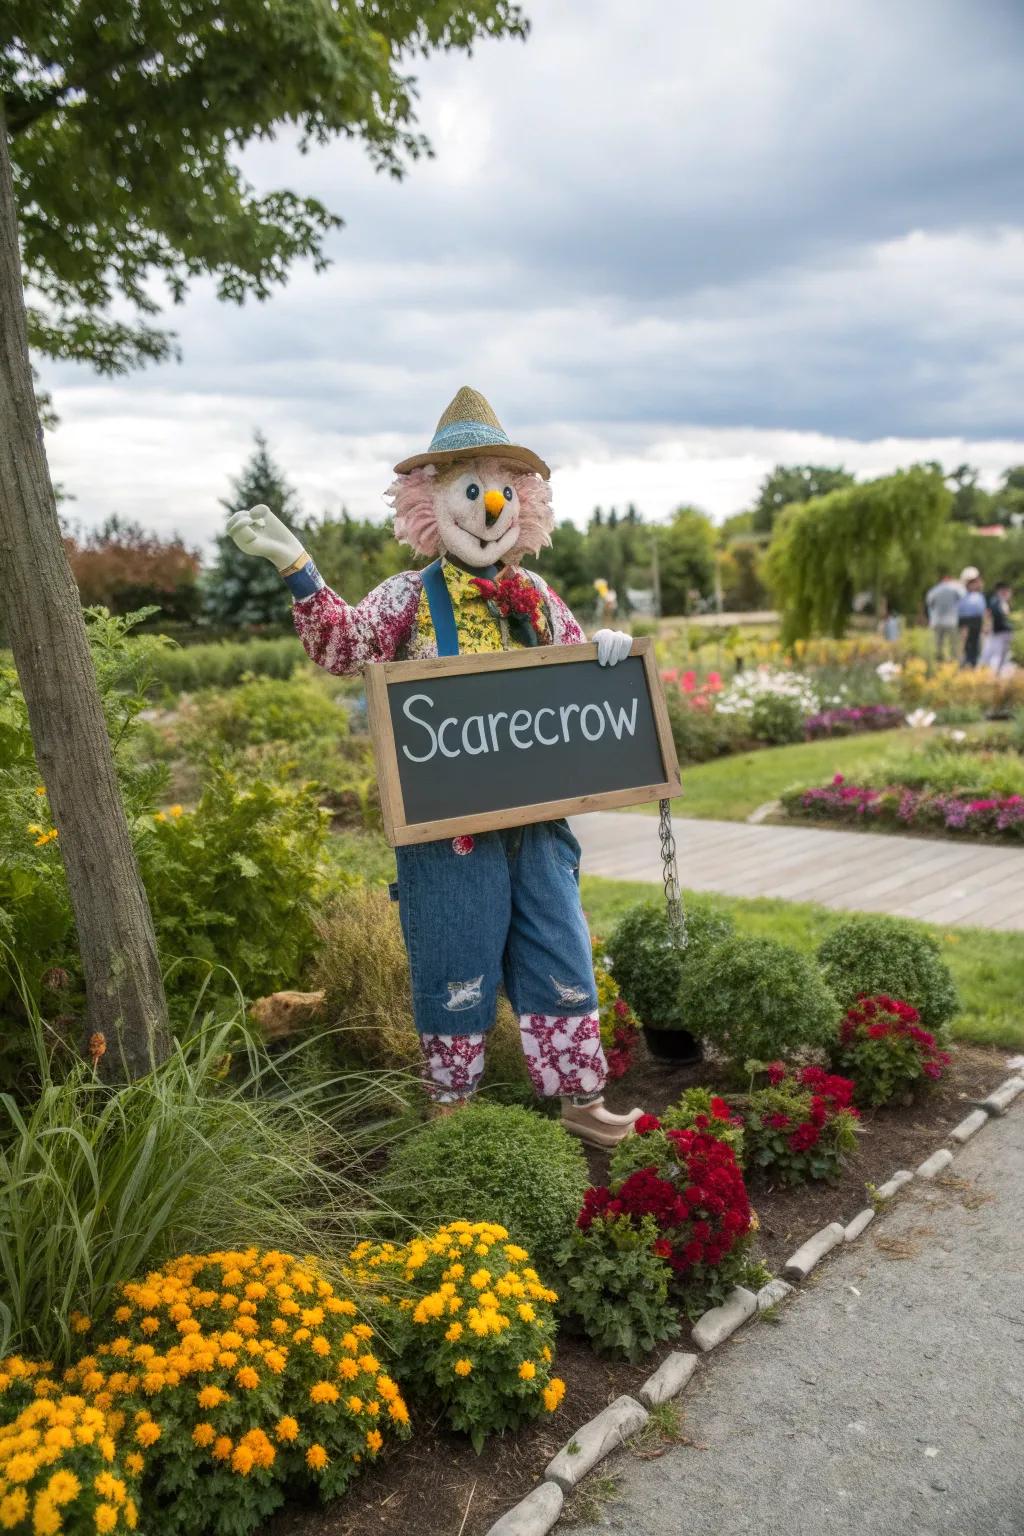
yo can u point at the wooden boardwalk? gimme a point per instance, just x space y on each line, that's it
947 883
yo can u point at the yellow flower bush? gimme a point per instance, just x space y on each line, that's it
232 1379
59 1465
471 1322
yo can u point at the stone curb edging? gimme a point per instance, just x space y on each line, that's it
538 1512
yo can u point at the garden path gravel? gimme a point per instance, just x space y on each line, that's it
934 880
888 1399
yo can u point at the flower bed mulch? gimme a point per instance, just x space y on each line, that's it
435 1482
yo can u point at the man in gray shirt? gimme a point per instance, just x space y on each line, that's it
942 604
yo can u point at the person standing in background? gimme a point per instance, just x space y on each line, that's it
996 653
942 604
971 614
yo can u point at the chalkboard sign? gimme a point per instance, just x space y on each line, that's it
470 743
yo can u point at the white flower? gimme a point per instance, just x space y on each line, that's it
958 735
920 717
887 670
744 691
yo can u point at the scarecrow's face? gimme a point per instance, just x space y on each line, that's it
478 512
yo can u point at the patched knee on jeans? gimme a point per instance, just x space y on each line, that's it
465 994
569 994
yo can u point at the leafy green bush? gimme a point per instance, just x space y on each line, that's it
649 968
866 956
470 1322
941 766
491 1162
258 710
758 998
613 1287
235 885
100 1184
777 718
701 734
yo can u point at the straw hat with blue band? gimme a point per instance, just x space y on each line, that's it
468 429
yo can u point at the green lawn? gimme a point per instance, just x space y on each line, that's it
988 967
729 788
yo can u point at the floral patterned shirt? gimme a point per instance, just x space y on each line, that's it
392 623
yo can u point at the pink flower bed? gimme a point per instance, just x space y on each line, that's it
895 805
845 722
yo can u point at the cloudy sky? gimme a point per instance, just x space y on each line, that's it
672 243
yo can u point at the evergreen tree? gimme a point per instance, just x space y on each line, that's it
239 590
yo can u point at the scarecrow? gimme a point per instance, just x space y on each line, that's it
499 907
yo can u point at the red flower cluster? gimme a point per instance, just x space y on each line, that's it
513 594
702 1212
625 1034
828 1096
909 1052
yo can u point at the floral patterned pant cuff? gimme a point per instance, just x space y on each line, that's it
563 1057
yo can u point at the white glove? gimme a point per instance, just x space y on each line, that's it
612 645
259 532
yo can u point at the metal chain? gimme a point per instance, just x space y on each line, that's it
673 895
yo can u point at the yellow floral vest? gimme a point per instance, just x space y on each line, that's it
477 629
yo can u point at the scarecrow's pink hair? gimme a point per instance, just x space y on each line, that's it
413 497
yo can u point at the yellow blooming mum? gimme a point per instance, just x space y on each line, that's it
463 1367
527 1370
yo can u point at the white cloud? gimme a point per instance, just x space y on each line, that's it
672 244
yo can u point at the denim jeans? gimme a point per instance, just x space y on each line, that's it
492 908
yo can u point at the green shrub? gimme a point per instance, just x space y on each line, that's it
100 1184
870 955
235 885
613 1287
649 968
702 734
777 718
492 1162
470 1323
756 998
258 710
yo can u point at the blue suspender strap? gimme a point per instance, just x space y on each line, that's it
442 614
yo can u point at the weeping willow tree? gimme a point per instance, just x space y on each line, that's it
885 536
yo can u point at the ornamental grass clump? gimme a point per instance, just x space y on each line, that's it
614 1287
237 1378
471 1324
883 1048
801 1125
866 956
698 1202
757 998
60 1470
491 1162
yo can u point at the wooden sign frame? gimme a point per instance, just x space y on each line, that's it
399 831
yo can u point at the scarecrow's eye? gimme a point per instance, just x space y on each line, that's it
472 491
507 493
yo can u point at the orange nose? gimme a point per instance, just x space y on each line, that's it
494 503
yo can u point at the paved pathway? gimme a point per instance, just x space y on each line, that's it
939 882
889 1398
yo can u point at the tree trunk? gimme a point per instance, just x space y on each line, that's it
124 991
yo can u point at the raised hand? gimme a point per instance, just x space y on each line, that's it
259 531
612 645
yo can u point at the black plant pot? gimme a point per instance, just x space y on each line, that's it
676 1046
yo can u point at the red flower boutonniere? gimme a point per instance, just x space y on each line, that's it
514 596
